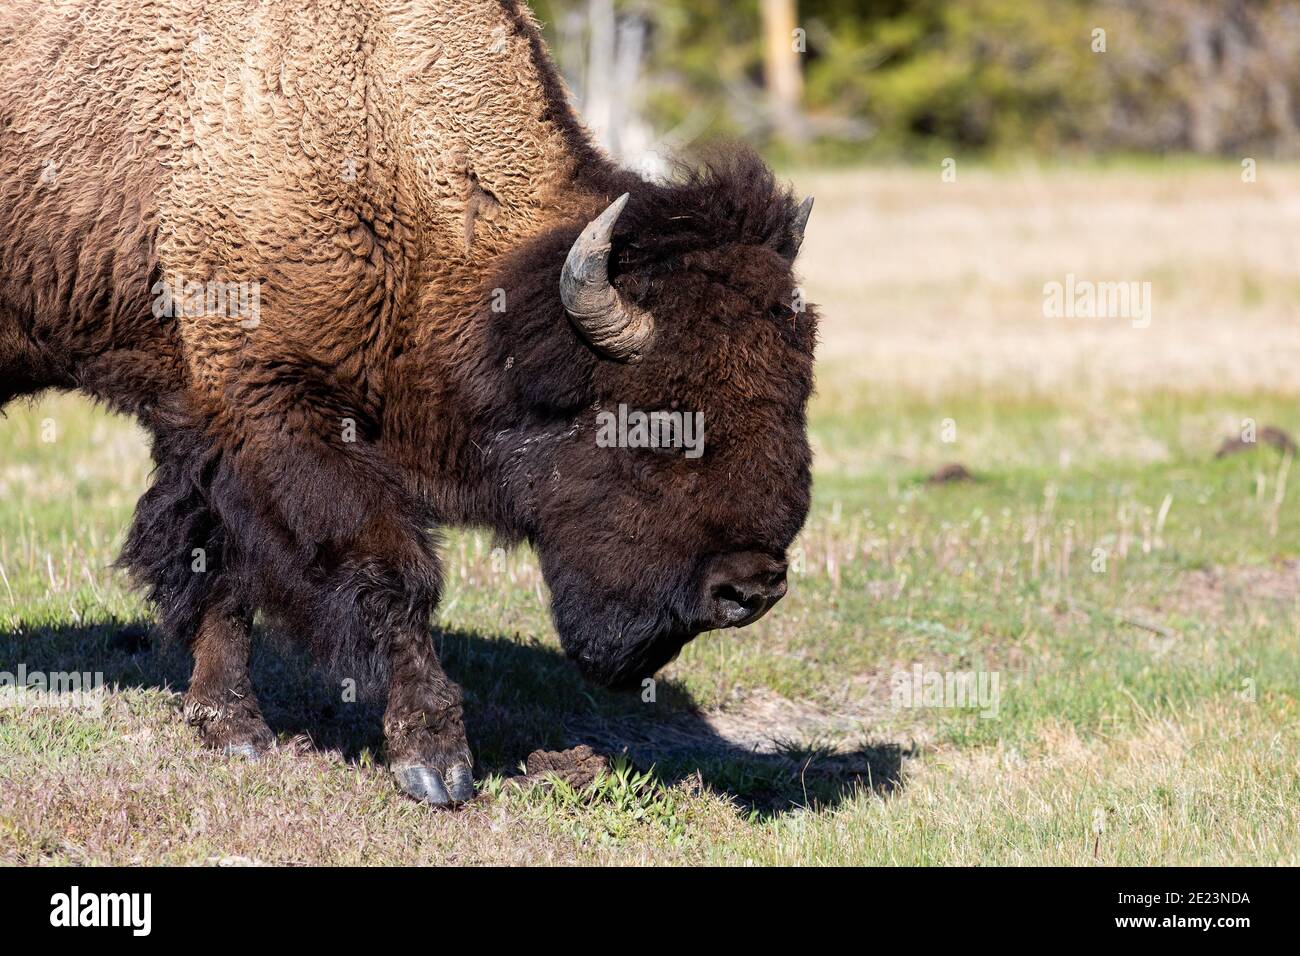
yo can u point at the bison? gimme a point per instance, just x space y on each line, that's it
361 274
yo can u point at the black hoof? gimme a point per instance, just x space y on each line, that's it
460 783
424 784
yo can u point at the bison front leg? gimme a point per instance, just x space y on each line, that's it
424 724
220 703
392 576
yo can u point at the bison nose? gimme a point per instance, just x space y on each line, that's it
742 587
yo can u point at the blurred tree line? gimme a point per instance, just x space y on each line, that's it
845 78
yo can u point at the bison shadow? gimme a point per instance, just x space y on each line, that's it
520 695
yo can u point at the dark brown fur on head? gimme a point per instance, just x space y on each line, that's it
625 535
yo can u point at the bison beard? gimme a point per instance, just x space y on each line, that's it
618 645
302 463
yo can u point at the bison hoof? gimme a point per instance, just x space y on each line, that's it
460 783
235 735
426 785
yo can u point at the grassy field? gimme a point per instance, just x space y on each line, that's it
1133 600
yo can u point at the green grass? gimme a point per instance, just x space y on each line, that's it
1159 693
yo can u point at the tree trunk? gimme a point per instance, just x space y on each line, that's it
782 68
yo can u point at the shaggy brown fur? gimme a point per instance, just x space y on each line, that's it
402 179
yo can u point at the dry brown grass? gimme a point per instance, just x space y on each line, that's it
938 287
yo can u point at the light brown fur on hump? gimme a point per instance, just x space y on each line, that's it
364 161
82 119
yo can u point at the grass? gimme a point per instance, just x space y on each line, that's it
1136 598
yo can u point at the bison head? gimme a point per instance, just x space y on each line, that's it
658 363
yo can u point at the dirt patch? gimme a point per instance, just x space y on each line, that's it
757 722
578 767
1219 592
763 721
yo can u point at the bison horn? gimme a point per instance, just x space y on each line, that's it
800 222
613 327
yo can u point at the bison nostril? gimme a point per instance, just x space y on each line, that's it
735 606
728 594
740 588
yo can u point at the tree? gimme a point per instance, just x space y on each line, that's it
782 69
